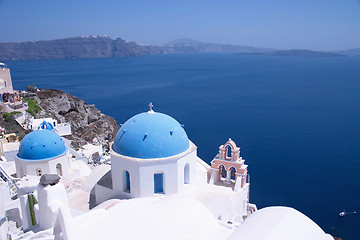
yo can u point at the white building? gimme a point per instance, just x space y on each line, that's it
8 96
35 124
5 80
157 188
279 223
92 153
42 151
9 150
63 129
151 156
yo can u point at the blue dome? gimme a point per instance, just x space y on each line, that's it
151 135
46 125
41 144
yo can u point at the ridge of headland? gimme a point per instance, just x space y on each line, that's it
106 47
75 47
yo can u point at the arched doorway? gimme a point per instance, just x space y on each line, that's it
159 182
187 174
59 169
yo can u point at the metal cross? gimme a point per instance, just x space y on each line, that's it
151 106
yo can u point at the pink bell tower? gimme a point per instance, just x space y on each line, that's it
228 168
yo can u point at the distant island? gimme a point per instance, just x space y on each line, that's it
105 47
298 53
349 52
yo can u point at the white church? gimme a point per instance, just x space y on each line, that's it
42 151
156 188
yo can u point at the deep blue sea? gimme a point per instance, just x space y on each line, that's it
296 120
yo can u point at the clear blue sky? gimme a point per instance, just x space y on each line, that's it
283 24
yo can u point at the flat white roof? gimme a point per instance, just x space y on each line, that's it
89 149
9 167
12 146
174 217
38 121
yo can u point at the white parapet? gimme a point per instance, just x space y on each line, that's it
50 200
3 220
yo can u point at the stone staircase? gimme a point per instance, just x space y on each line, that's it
14 232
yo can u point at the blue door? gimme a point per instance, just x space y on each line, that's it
159 183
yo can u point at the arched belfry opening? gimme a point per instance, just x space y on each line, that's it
187 174
159 183
232 173
228 152
223 173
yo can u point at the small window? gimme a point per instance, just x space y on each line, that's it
186 174
38 172
59 169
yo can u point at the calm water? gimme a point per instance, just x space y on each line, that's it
296 120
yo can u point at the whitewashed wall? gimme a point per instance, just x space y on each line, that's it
3 223
28 167
142 173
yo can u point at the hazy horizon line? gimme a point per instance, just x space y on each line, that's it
180 38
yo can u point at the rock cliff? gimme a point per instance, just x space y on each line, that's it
76 47
106 47
88 124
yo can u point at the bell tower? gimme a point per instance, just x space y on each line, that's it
228 168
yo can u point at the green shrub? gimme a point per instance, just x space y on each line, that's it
9 116
11 125
33 108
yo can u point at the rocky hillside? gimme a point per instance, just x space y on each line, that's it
76 47
88 124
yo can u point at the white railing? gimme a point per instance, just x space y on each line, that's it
11 182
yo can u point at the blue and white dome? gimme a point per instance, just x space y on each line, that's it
41 145
151 135
46 125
